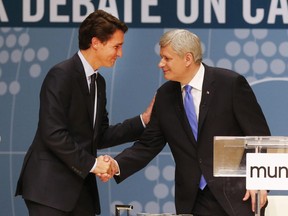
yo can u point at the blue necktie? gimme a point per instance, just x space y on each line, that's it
191 115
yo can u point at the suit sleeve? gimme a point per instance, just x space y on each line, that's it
247 110
143 151
128 131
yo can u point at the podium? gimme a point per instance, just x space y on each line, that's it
263 160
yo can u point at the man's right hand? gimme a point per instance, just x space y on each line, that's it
113 169
103 165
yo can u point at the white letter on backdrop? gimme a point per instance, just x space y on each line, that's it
247 13
145 17
3 15
193 14
128 11
54 16
274 11
219 7
77 4
111 9
27 16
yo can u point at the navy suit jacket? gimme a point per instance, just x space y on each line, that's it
228 108
65 145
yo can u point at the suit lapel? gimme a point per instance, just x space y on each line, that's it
82 81
208 91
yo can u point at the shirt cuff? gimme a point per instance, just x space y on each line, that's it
142 121
94 166
118 173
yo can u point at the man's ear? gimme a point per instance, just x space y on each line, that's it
95 42
188 58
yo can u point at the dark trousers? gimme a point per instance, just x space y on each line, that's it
207 205
84 206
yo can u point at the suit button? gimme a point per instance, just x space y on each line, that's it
200 160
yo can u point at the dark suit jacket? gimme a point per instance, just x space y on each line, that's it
65 145
228 108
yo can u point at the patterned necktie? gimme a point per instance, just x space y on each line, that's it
192 117
92 92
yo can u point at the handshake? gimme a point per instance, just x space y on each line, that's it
106 168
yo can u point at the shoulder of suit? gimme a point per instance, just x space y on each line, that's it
218 72
67 63
170 86
65 68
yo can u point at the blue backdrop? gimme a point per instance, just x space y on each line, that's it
27 53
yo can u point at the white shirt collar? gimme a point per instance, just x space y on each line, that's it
197 81
87 67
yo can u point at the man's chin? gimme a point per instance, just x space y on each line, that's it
167 77
109 65
112 64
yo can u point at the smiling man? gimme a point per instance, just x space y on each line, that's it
197 103
58 174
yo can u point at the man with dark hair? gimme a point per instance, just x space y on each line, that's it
58 173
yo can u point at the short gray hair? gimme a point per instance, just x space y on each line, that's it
183 41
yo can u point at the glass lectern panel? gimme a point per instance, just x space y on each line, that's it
230 152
